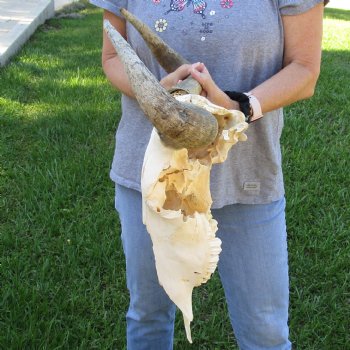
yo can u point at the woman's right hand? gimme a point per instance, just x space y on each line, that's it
210 90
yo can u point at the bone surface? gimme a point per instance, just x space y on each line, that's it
176 206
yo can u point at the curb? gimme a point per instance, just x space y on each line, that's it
59 4
21 31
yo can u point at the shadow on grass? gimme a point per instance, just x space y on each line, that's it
340 14
60 253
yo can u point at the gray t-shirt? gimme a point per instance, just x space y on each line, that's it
241 43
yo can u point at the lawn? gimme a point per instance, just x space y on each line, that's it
62 282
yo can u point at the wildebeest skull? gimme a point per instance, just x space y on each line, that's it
190 135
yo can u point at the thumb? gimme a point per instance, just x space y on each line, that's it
198 75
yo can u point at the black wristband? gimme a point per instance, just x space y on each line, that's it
243 101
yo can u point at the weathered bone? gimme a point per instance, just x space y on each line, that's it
176 207
179 124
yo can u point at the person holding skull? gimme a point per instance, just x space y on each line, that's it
254 56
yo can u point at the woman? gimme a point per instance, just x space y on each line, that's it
271 50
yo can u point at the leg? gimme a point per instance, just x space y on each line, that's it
150 318
253 268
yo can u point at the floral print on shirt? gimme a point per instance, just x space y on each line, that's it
206 9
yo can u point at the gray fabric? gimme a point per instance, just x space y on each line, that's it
295 7
241 43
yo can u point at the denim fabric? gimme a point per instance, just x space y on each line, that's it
253 268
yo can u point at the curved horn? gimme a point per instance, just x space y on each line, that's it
180 125
169 59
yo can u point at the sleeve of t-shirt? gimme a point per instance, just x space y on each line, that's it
295 7
113 6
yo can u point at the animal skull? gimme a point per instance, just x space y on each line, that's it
190 135
176 207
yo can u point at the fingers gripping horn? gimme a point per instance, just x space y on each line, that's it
180 125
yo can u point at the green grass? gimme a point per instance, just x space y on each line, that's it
62 282
316 144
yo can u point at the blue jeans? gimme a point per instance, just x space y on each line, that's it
253 268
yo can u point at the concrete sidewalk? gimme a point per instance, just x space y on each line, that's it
18 21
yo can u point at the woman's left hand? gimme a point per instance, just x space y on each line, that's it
210 90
